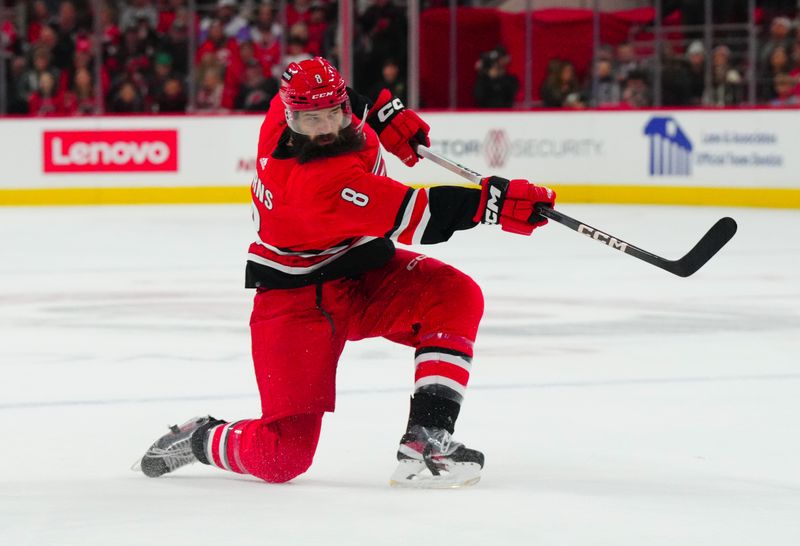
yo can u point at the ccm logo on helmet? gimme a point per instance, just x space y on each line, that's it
389 109
321 95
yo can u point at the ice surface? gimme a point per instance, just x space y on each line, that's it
616 404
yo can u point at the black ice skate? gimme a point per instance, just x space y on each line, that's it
174 449
429 458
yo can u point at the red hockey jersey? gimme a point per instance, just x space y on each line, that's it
337 216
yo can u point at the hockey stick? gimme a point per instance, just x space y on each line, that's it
719 234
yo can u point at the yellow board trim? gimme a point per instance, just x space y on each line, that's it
125 196
788 198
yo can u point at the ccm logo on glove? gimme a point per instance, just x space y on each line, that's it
512 204
400 130
390 108
493 205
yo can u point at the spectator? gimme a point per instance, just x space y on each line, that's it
264 29
696 58
317 27
209 95
295 50
298 11
256 91
172 99
795 72
82 58
9 39
17 103
384 34
561 89
608 92
233 25
626 62
391 80
45 101
40 17
779 36
225 49
176 45
111 37
81 100
29 80
47 38
66 32
162 73
636 93
779 63
494 86
676 80
169 13
784 91
126 100
136 11
235 74
727 89
268 48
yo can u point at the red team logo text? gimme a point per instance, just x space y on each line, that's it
110 151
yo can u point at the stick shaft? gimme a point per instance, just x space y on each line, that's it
704 250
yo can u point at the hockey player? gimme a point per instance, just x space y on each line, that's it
326 271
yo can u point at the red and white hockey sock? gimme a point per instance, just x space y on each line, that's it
442 371
222 446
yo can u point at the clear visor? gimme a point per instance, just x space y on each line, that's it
319 122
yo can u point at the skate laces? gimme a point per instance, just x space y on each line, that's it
175 455
436 441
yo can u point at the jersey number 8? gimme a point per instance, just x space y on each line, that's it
352 196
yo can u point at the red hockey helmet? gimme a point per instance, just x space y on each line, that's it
313 84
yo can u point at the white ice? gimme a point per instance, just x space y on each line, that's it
616 404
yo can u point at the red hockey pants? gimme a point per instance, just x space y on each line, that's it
298 336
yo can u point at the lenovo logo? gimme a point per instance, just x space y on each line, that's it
110 151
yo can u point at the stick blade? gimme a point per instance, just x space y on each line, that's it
711 243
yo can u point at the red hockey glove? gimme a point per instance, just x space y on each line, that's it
400 130
511 203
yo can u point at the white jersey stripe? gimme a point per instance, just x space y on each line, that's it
443 357
280 252
406 215
440 380
301 270
377 167
423 223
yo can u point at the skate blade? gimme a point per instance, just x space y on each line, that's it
415 475
137 466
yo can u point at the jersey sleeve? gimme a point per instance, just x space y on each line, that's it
356 203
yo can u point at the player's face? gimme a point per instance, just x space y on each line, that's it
321 126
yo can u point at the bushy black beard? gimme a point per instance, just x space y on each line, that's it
348 140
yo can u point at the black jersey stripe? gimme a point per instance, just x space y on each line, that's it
400 213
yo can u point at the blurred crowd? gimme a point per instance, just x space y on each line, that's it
623 78
145 65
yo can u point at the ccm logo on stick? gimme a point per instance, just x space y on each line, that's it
602 237
110 151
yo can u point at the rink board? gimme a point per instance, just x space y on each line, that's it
693 157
